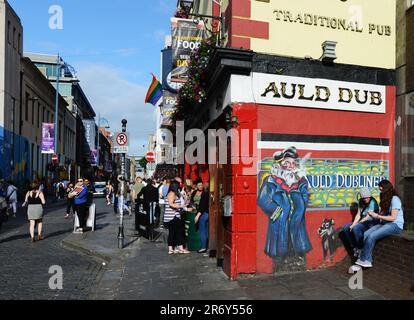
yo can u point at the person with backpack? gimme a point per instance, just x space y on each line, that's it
362 222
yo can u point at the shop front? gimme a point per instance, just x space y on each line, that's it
303 138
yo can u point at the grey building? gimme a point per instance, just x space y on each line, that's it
78 105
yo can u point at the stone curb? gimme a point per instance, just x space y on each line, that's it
72 246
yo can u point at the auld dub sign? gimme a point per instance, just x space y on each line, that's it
319 93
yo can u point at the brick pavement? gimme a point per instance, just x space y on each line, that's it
24 268
151 274
142 270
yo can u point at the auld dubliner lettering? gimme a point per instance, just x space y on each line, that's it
323 94
335 23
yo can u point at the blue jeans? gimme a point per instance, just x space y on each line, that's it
203 227
356 236
374 234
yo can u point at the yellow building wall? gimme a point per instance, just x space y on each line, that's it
364 47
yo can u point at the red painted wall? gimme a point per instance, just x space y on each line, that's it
246 240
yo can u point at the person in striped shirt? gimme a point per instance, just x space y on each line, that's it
173 220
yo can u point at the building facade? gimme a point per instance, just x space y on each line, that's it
39 106
12 162
79 105
303 127
405 106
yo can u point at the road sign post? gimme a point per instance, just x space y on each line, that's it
121 145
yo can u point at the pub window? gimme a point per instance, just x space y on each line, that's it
8 31
14 37
38 115
33 111
26 107
20 44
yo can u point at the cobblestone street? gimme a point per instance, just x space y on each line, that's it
24 268
141 271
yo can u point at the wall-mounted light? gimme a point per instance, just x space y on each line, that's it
187 5
329 51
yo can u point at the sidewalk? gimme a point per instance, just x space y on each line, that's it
144 271
102 244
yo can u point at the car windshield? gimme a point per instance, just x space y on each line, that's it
100 184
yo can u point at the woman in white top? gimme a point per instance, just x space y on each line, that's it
391 221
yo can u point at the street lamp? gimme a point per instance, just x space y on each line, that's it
121 206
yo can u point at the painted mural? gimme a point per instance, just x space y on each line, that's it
291 188
21 171
283 197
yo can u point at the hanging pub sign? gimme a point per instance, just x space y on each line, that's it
186 36
168 108
48 138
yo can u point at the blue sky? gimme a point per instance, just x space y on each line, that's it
113 45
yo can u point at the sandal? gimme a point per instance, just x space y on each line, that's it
171 252
184 252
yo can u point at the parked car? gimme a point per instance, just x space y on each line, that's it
99 188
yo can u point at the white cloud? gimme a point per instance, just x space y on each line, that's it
117 98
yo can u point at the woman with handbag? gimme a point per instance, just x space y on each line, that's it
174 208
35 200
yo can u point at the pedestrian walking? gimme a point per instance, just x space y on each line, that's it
35 200
3 206
11 198
109 189
123 206
70 204
390 222
80 195
200 198
174 209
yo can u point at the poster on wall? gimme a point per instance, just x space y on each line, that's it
90 138
168 108
48 138
186 36
94 158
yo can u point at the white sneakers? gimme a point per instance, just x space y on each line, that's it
365 264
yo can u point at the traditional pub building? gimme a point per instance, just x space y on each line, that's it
308 106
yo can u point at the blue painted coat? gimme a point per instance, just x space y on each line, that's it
287 235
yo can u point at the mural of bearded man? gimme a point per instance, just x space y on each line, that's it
283 198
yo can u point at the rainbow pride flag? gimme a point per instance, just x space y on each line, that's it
154 93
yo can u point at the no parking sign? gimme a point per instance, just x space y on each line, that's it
121 142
